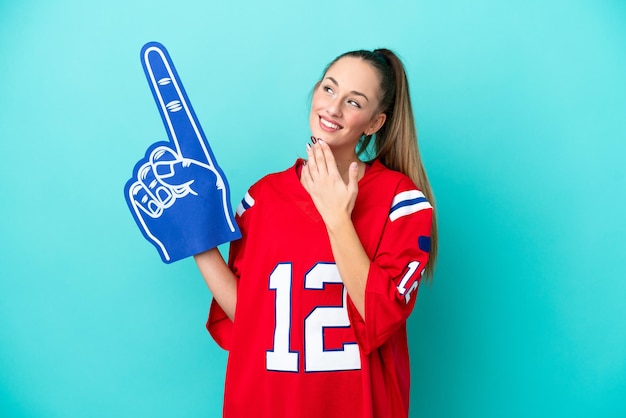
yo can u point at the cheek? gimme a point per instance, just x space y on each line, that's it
357 120
317 106
313 118
314 111
317 101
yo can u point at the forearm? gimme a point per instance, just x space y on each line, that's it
334 196
219 278
351 260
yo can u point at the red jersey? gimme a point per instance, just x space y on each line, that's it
298 347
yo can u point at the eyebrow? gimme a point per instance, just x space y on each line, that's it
357 93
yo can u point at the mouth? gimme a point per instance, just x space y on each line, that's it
328 125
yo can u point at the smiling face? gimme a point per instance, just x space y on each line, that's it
346 103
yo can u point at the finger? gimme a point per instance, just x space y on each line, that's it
311 166
181 124
144 201
154 188
329 157
319 157
353 176
163 160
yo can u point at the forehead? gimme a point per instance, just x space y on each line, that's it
355 74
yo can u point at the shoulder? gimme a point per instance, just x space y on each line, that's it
281 182
279 178
401 195
383 179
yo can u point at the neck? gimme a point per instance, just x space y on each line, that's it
344 159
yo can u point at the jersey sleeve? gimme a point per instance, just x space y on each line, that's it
219 324
396 269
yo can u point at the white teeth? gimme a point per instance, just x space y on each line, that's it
329 124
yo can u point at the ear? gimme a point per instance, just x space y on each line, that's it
377 123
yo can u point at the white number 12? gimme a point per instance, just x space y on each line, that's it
316 358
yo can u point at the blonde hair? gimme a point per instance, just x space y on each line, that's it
395 144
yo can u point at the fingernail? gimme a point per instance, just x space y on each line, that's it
313 139
308 146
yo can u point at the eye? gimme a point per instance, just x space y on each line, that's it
354 103
328 89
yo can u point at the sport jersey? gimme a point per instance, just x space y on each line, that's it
298 347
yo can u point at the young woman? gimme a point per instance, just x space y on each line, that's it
313 303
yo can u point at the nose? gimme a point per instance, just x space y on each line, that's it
334 107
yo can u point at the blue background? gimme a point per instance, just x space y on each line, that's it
520 109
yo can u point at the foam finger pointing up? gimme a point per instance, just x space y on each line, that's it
176 111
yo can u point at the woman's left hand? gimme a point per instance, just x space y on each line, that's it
332 196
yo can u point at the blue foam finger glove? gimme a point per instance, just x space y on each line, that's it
178 194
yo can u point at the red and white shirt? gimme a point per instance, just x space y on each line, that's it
298 347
